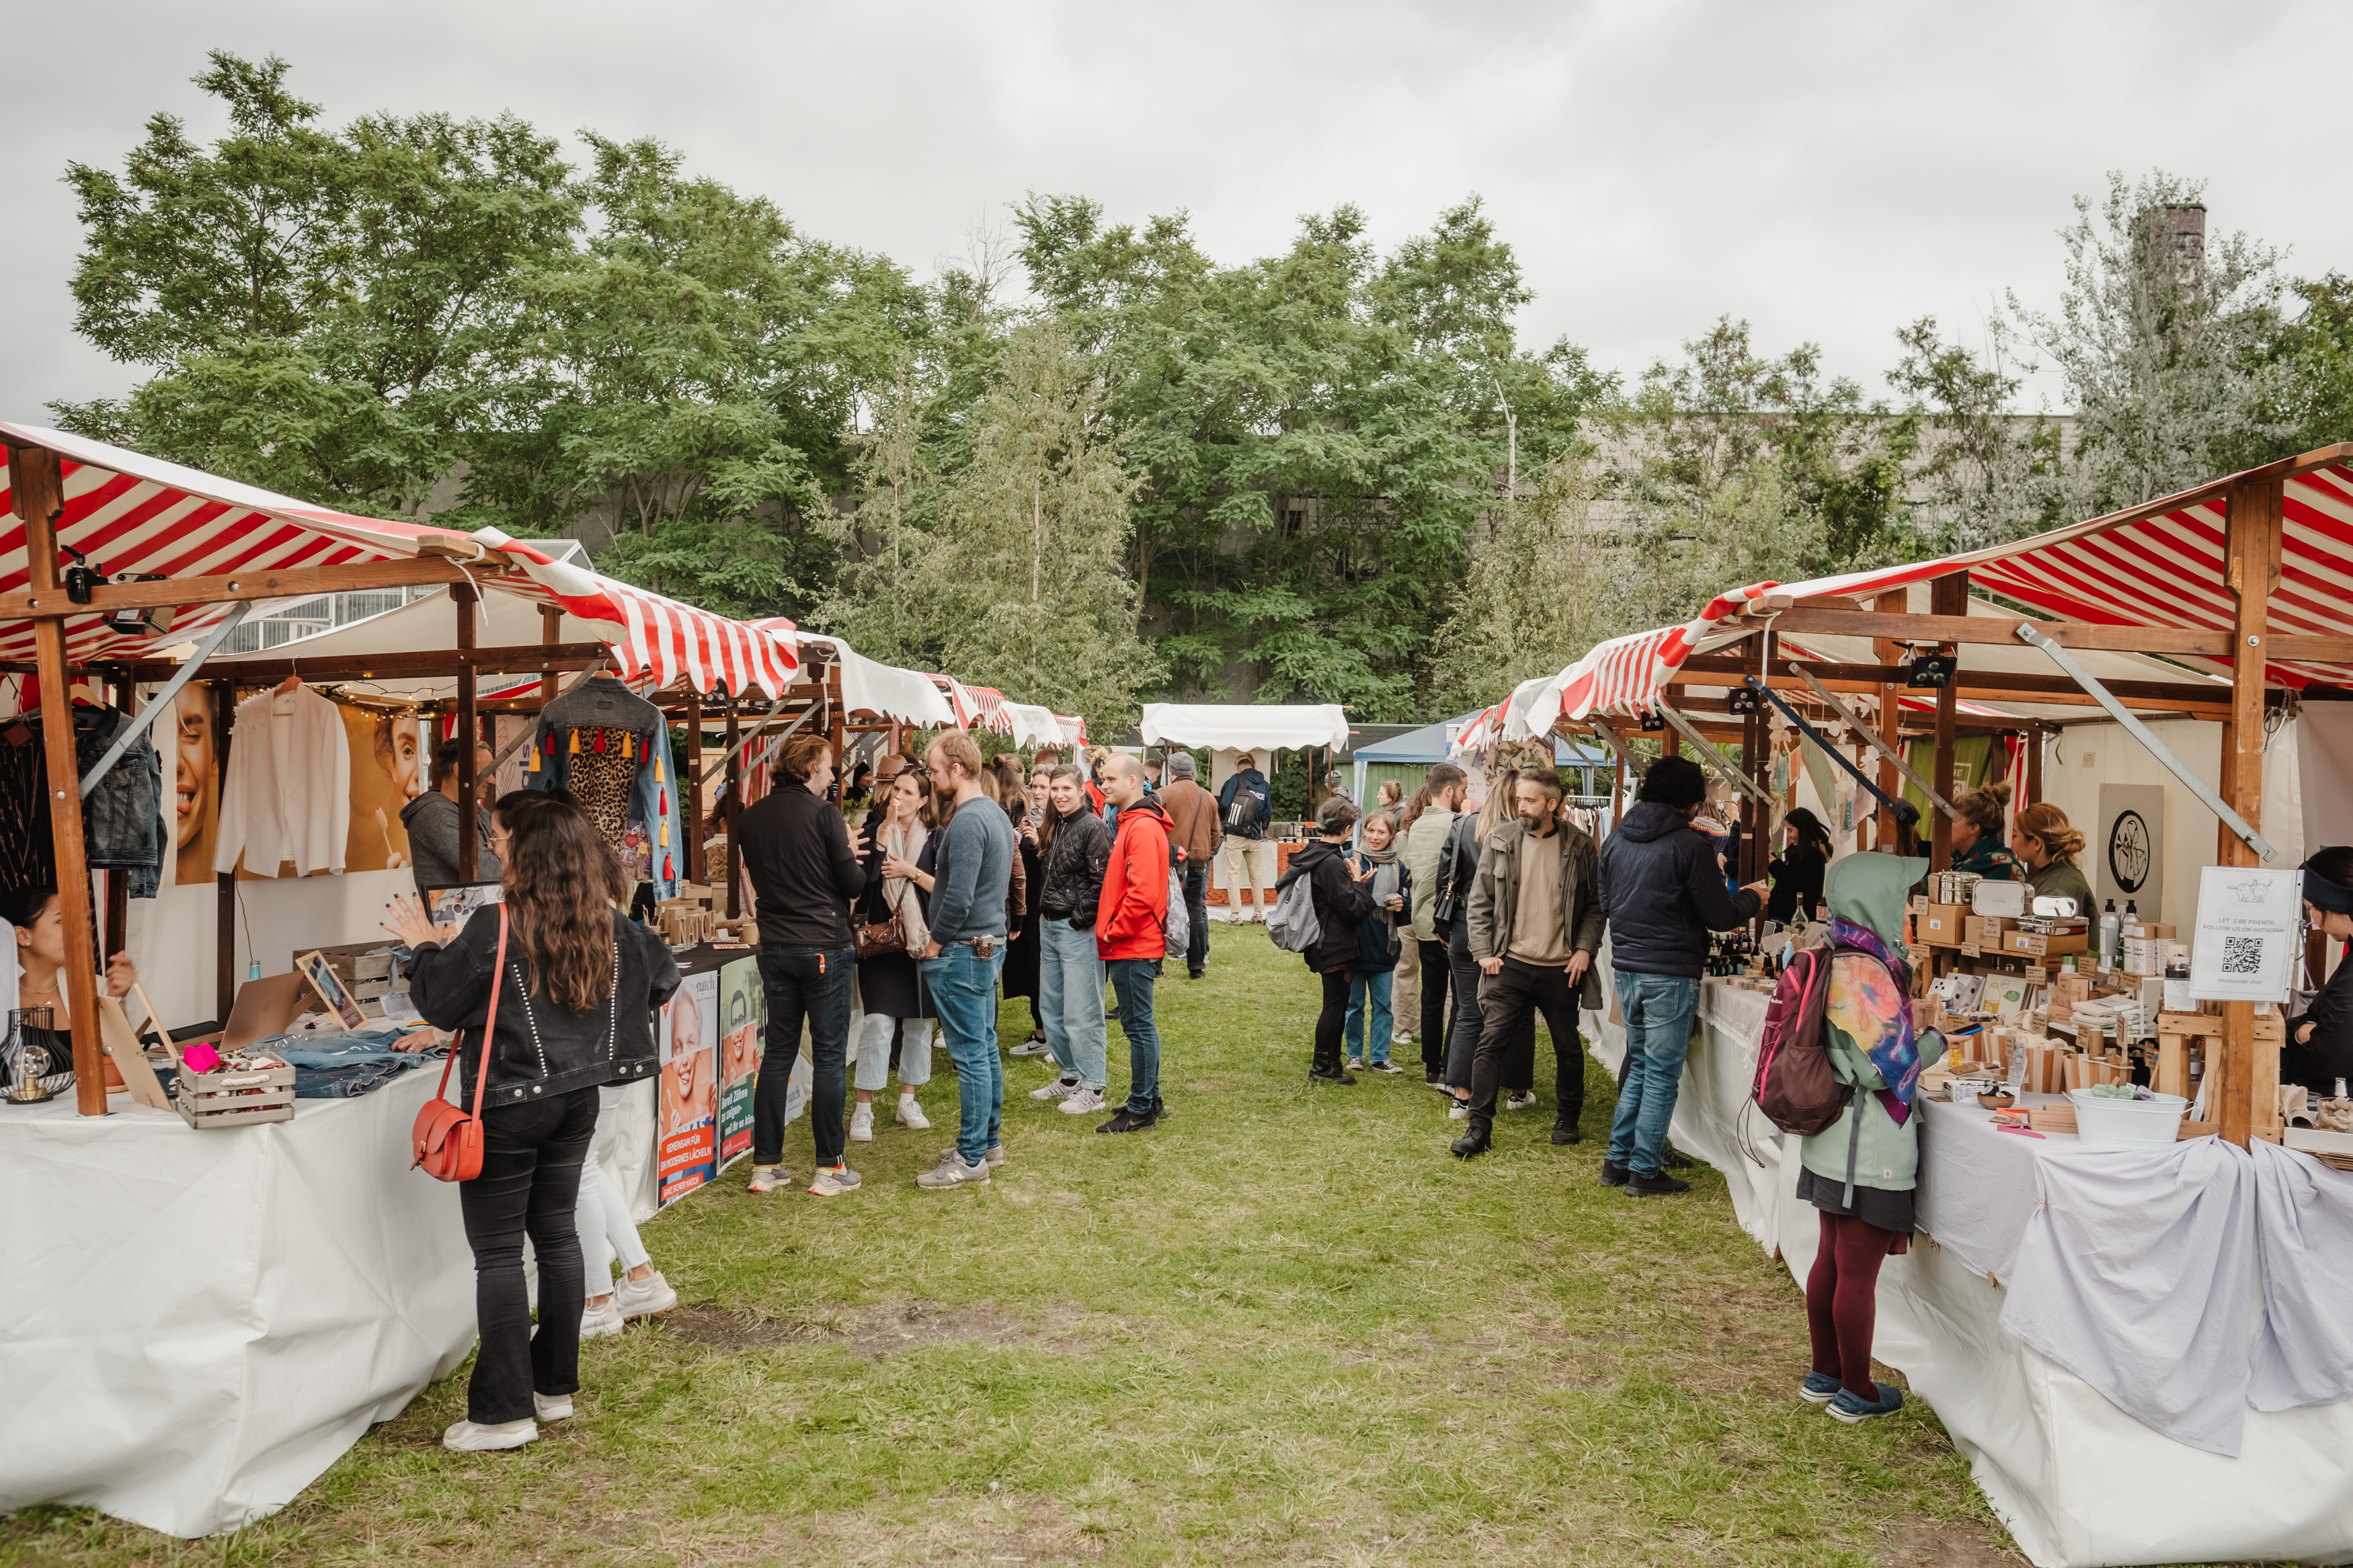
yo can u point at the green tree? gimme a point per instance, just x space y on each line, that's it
2309 382
1983 474
326 311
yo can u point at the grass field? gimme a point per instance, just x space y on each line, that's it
1282 1327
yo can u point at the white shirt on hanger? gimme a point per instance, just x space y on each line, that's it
288 796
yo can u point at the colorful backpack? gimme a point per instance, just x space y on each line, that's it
1795 1086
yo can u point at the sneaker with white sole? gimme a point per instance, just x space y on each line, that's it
1521 1100
644 1298
601 1323
768 1178
1458 1112
833 1180
911 1114
1085 1102
861 1122
995 1153
1027 1049
1389 1067
552 1406
473 1438
952 1172
1060 1089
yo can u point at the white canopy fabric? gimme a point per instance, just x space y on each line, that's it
1238 726
885 690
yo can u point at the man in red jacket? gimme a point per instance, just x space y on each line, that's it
1131 919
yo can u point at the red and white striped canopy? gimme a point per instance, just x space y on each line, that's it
131 513
2160 565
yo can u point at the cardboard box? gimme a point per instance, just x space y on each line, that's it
2039 944
1984 931
2065 991
1941 926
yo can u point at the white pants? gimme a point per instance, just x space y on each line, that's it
1251 860
872 1050
605 1228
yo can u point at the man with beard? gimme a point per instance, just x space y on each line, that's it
1536 923
1131 926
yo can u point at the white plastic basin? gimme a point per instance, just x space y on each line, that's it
2104 1124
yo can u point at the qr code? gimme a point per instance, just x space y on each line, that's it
2242 955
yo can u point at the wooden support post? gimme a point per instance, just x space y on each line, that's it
468 734
1949 596
223 884
1671 743
1890 716
834 733
551 630
2033 771
735 810
118 885
2252 568
36 485
690 789
1755 848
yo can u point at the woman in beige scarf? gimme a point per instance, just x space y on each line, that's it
890 985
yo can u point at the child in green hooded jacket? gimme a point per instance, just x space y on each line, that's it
1861 1171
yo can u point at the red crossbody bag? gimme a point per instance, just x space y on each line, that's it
448 1141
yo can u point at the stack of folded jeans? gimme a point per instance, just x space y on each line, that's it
345 1066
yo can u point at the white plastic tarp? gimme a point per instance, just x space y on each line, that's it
1237 726
885 690
195 1325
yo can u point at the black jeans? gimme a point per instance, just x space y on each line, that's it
1509 1002
1434 992
1466 1024
1196 910
810 983
530 1185
1328 1023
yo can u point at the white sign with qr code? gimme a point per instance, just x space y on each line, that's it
2246 940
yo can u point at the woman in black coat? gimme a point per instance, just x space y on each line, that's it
1799 869
575 1000
1342 904
896 1026
1020 976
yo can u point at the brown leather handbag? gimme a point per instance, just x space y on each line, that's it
447 1139
882 937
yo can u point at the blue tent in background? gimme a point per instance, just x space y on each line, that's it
1407 757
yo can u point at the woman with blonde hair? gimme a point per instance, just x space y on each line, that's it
1977 835
2047 845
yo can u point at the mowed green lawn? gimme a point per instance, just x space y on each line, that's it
1282 1327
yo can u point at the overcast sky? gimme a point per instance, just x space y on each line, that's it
1829 172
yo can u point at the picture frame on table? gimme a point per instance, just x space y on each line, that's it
321 977
454 904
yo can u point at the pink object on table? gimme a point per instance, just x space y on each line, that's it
200 1058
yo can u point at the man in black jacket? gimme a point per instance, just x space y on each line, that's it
1663 894
1342 903
805 868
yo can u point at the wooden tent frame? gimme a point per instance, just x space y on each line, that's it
2253 504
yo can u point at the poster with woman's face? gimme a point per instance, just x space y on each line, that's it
688 1094
742 1014
385 776
195 766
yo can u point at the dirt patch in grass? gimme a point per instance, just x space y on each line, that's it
889 1327
1943 1544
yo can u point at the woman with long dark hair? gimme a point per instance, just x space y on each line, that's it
1799 869
898 1011
575 1000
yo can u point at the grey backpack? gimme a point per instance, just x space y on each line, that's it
1292 922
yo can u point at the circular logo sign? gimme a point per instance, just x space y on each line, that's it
2129 851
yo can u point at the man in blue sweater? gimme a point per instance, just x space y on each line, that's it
973 872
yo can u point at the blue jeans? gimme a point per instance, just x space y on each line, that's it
1659 1010
1374 986
1131 979
964 989
1069 996
808 983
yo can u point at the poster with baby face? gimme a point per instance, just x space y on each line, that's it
742 1015
688 1096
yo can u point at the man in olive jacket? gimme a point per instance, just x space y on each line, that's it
1535 919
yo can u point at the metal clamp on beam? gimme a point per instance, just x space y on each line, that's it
2263 849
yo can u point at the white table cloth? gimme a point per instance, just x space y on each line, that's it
195 1325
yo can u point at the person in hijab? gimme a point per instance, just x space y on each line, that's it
1861 1170
2320 1038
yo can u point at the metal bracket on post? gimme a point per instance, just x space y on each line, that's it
1715 758
720 763
2264 850
1873 739
147 715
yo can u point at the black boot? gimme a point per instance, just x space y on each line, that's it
1330 1072
1474 1140
1566 1131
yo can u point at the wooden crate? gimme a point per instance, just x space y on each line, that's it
2177 1031
234 1096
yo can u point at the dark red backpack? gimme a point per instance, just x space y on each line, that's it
1794 1087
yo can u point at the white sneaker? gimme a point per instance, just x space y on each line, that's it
768 1178
953 1172
643 1298
1520 1101
1060 1089
1083 1103
833 1182
556 1407
995 1153
601 1323
473 1438
1458 1112
861 1122
1027 1049
1356 1064
1405 1038
911 1114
